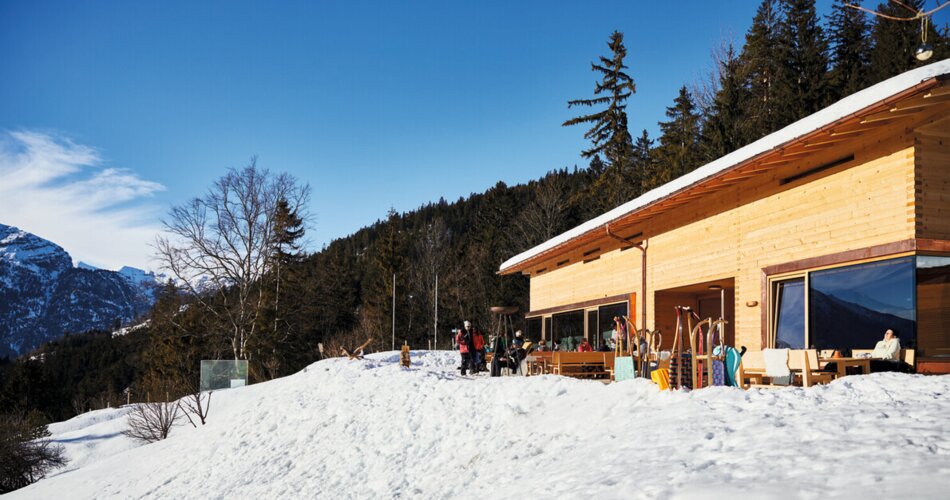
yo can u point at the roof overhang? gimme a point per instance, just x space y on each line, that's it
894 99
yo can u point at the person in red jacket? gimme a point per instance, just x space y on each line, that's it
585 346
464 342
478 356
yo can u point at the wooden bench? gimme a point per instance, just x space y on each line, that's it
581 364
539 363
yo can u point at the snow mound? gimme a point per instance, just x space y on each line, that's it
372 429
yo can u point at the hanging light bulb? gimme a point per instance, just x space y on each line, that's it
925 50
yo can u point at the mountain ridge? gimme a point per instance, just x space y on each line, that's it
43 296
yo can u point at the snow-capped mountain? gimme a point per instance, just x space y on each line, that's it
42 296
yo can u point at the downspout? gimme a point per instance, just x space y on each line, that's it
643 245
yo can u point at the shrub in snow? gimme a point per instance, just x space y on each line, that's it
152 421
196 404
26 453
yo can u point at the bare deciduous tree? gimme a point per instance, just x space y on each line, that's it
428 262
196 403
152 421
544 216
704 89
224 238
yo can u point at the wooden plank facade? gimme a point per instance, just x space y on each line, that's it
872 187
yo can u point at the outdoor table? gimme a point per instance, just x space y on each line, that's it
842 363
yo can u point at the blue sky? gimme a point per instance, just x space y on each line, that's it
375 104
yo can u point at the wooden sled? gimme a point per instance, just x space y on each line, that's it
355 353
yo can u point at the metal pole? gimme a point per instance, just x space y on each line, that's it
643 302
722 316
394 312
435 326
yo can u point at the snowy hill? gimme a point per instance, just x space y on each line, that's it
371 429
42 296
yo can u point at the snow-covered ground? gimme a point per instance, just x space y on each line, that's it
371 429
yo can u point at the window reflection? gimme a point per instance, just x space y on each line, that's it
569 329
790 314
606 316
592 335
533 325
851 307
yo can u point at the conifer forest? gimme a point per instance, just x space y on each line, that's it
793 61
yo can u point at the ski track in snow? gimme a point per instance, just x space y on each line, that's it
371 429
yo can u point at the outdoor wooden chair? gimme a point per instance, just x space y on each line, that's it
805 363
908 356
753 374
751 369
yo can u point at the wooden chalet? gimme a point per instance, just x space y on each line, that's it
823 234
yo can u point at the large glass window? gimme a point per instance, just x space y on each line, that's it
533 326
851 307
606 314
592 334
933 306
569 330
789 321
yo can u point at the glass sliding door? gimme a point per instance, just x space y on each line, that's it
788 321
851 307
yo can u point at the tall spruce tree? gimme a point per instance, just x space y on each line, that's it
285 253
608 131
762 65
802 85
723 131
679 151
643 157
849 36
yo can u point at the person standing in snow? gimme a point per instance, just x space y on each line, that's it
478 345
465 342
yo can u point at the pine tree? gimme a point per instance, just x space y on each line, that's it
723 131
679 151
849 36
761 67
802 86
285 253
608 133
643 157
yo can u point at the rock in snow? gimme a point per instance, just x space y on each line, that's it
42 296
371 429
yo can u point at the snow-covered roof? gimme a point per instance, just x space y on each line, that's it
841 109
